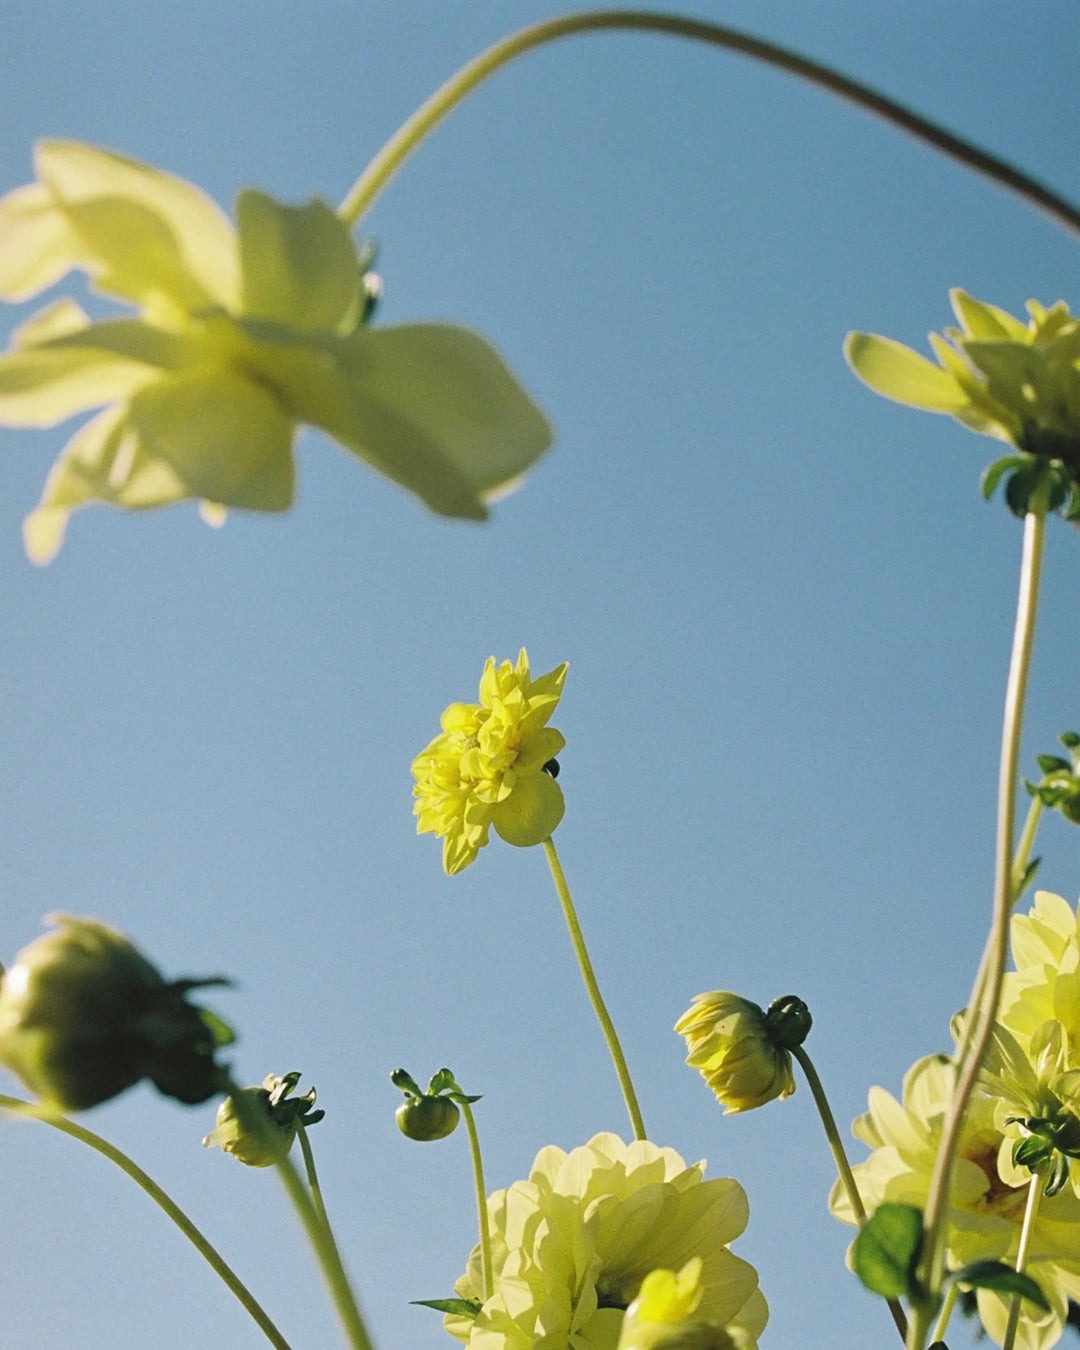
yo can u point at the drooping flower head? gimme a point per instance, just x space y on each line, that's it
988 1196
742 1051
1017 382
492 765
243 333
573 1245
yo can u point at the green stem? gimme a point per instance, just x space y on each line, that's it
1025 845
486 1268
460 85
1031 1211
942 1325
313 1179
983 1007
312 1217
847 1176
587 974
161 1199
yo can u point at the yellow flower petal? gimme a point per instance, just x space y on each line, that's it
896 371
299 263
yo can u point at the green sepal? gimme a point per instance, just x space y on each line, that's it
1070 739
463 1099
458 1307
222 1033
1054 764
1001 1279
1034 1152
1028 877
993 473
404 1080
440 1082
1058 1176
886 1251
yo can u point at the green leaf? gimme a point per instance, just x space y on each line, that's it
459 1307
1000 1278
887 1248
222 1033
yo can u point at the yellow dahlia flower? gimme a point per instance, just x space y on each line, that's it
1014 381
242 334
573 1244
988 1195
1046 982
740 1050
491 766
662 1316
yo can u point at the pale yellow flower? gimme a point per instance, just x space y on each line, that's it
662 1317
737 1050
988 1195
491 766
573 1244
242 335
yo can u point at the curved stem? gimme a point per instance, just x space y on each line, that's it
161 1199
988 983
486 1268
593 989
312 1217
474 72
1031 1211
847 1177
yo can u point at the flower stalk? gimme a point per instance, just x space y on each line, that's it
428 116
160 1198
593 990
1031 1210
987 991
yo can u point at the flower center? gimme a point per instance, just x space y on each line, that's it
1000 1199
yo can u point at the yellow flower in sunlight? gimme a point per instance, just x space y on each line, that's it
1046 982
242 334
491 766
662 1316
573 1245
988 1197
736 1047
1017 382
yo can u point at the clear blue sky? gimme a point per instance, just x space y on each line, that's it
785 608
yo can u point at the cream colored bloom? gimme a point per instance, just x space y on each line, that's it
242 334
730 1041
988 1195
487 768
573 1245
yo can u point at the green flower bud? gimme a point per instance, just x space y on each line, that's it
84 1016
427 1117
236 1131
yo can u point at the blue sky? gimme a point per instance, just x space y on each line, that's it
786 610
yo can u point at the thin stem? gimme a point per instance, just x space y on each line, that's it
1025 845
988 985
847 1177
1031 1211
486 1268
587 974
318 1231
313 1178
942 1325
459 86
161 1199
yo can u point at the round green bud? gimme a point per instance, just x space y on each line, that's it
427 1117
83 1016
235 1131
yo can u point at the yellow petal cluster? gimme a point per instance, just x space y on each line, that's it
242 334
573 1245
729 1042
1030 1071
487 767
1014 381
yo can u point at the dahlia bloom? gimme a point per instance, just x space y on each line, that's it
573 1244
492 765
988 1195
242 334
732 1043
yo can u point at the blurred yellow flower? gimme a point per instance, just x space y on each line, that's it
737 1050
573 1245
243 333
662 1315
988 1195
487 768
